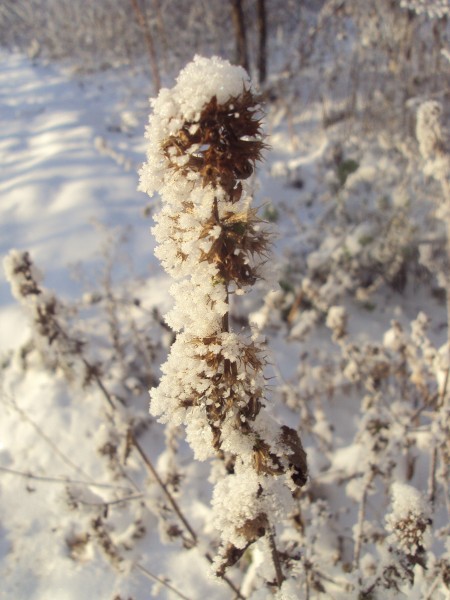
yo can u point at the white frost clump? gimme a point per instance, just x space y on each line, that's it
428 128
234 505
197 83
337 320
408 519
432 142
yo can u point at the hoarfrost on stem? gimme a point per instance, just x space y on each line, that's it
204 140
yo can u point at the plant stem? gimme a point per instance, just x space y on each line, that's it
446 189
432 477
170 587
143 23
275 559
163 486
361 517
63 480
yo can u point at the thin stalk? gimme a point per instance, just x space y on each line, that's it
262 40
432 477
226 316
443 393
360 524
446 189
162 32
276 559
227 580
170 587
163 486
143 24
430 593
45 437
112 502
148 463
307 587
237 15
446 192
445 477
63 480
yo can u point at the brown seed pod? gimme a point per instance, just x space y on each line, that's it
296 455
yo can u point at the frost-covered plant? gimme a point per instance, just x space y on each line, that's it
204 139
432 143
433 146
387 39
370 244
408 521
56 346
405 547
61 332
394 423
433 9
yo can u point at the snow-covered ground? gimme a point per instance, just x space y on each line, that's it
58 183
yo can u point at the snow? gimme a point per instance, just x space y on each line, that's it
352 362
54 184
406 501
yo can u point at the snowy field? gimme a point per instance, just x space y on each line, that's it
60 194
355 328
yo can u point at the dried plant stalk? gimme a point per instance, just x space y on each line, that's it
204 140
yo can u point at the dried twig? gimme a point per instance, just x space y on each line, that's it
160 580
143 23
63 480
275 558
361 517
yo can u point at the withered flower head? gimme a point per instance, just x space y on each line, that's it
223 144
